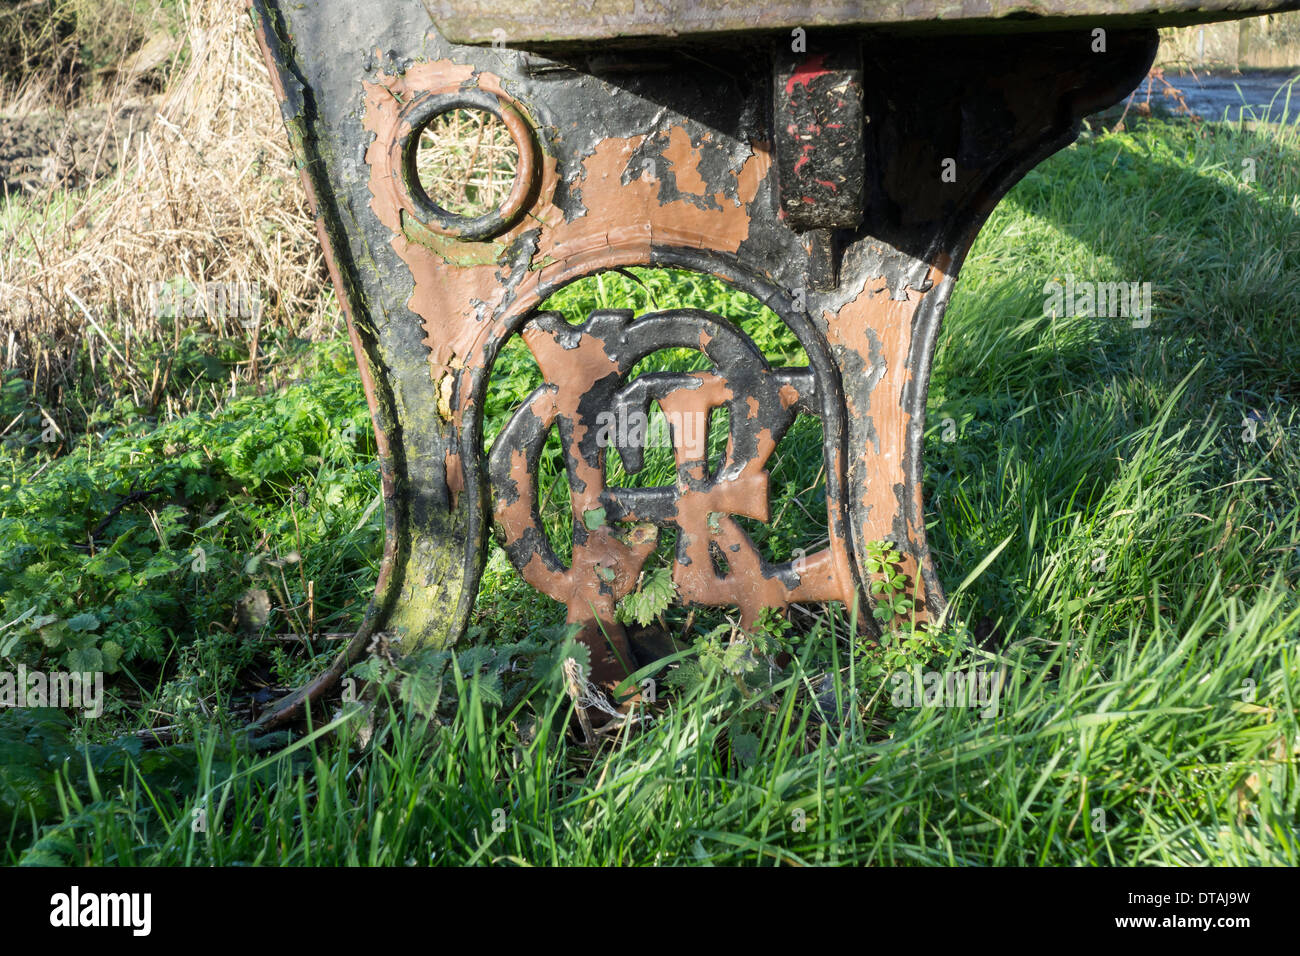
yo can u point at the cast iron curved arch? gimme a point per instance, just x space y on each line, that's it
728 269
638 168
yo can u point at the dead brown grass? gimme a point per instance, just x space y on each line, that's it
466 162
208 194
65 52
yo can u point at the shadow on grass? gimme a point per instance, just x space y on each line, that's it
1037 421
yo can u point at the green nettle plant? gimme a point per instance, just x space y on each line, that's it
142 541
734 674
654 592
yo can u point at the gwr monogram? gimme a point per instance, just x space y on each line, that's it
615 529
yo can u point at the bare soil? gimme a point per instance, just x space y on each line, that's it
68 149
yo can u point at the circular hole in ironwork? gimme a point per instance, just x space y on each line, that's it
466 162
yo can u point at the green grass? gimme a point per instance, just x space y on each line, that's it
1129 560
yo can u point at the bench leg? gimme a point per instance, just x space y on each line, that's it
842 186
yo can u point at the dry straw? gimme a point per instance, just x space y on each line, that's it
207 193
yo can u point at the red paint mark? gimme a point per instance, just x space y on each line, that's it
804 157
806 72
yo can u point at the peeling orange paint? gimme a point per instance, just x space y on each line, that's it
684 160
878 327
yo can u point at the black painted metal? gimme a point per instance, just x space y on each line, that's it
665 158
818 133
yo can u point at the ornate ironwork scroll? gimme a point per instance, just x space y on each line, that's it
586 396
